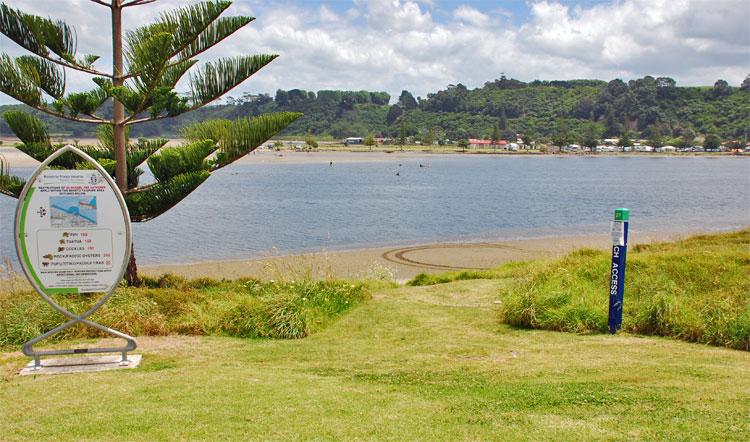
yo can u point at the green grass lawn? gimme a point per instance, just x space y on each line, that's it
412 363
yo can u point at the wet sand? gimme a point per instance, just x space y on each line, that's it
397 263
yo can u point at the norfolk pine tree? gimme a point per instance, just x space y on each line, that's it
148 62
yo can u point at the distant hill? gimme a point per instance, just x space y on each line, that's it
644 106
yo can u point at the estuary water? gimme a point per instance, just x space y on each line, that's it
255 210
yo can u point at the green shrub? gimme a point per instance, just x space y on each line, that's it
171 304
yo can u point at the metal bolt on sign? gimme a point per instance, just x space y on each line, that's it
73 235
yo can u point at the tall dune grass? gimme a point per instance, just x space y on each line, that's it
697 290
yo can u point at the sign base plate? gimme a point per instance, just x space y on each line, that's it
80 364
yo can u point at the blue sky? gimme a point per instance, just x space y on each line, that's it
442 9
424 45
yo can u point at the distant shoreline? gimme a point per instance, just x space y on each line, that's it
357 155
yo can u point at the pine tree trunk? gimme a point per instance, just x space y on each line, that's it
131 273
121 169
118 127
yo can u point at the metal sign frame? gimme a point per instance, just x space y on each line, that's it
28 347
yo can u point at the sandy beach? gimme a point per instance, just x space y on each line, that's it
263 156
397 263
19 159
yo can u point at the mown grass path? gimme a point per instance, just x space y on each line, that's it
413 363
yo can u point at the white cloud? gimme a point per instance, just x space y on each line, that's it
399 44
472 16
327 15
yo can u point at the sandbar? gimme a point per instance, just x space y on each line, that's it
398 263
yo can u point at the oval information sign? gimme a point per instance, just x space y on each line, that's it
72 229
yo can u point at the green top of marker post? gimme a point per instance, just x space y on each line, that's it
622 214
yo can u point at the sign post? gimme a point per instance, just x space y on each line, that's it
73 235
617 270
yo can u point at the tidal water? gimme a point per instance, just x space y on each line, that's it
254 210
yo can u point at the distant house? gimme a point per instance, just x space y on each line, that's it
483 144
477 143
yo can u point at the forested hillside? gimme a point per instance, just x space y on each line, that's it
644 107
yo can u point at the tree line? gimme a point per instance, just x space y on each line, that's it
543 111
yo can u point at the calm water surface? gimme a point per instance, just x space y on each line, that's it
254 210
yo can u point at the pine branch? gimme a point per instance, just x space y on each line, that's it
95 120
239 137
137 3
47 76
245 135
15 83
85 103
214 130
213 34
43 36
191 30
175 161
219 77
215 80
148 47
143 149
159 95
9 185
148 52
28 128
173 73
148 202
189 22
136 154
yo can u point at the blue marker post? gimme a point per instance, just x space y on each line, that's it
617 270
